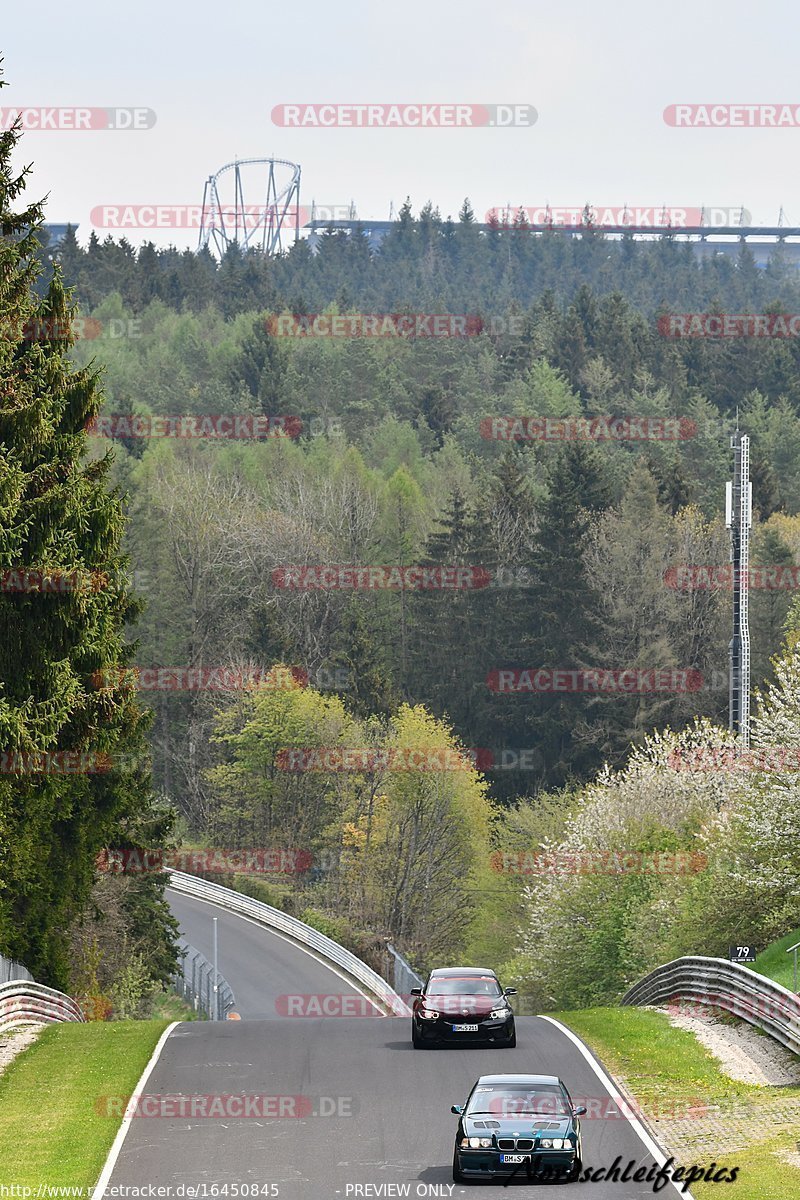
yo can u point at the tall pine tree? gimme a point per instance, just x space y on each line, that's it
57 515
565 626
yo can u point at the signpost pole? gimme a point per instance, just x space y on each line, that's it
216 976
793 951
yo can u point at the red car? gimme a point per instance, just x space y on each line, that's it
462 1005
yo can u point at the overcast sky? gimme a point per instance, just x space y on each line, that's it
599 75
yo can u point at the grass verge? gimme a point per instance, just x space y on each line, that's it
169 1006
776 964
51 1129
669 1074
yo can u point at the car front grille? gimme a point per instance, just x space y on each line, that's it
515 1143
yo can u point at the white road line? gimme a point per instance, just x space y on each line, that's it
289 941
130 1109
643 1134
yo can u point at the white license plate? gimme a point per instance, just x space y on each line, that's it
465 1029
515 1158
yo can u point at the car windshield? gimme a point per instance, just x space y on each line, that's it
479 985
519 1100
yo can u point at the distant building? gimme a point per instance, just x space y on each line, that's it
706 242
57 232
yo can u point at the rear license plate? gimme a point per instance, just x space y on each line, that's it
515 1158
465 1029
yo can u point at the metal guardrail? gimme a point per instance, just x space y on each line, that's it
23 1002
297 931
717 983
10 970
405 977
194 981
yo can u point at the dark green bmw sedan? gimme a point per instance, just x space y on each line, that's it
523 1125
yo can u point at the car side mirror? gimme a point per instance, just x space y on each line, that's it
458 1109
416 992
579 1111
509 991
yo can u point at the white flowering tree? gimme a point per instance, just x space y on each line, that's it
693 844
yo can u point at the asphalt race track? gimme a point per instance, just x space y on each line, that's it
361 1114
259 965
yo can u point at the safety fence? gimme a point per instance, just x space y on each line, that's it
10 970
404 976
194 981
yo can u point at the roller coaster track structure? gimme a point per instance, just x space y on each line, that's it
261 222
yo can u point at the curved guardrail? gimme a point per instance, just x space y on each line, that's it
296 931
717 983
23 1002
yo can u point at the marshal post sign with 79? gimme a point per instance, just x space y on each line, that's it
742 954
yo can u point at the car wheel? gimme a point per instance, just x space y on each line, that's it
458 1176
512 1041
416 1040
573 1173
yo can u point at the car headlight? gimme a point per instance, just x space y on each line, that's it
479 1143
429 1014
555 1143
498 1014
546 1143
